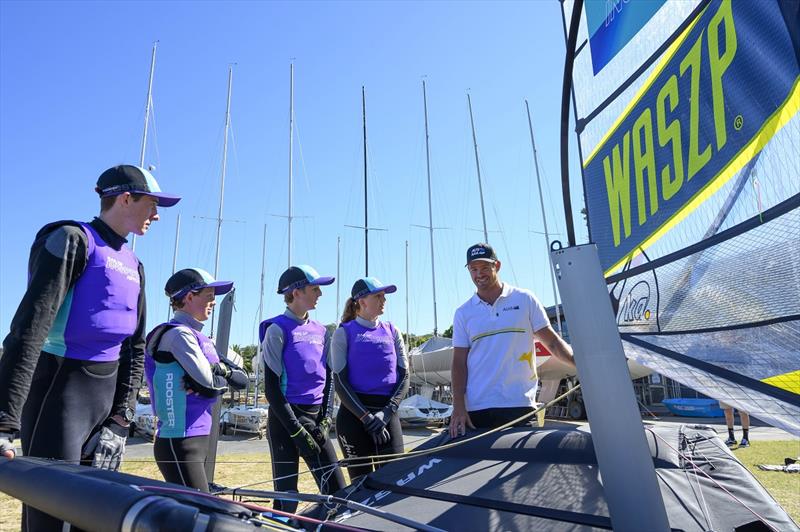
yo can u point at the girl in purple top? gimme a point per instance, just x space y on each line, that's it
186 377
299 388
368 359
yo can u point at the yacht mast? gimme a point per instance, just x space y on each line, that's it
544 219
366 223
175 257
260 310
147 108
430 211
222 181
291 148
478 166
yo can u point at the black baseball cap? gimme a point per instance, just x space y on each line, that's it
481 251
129 178
193 279
300 276
370 285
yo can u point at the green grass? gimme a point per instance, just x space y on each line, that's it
784 487
242 469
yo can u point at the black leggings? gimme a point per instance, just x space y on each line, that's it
490 418
182 460
68 401
286 458
355 441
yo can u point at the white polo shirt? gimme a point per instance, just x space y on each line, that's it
501 362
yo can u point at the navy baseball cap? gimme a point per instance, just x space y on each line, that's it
481 251
300 276
128 178
192 280
370 285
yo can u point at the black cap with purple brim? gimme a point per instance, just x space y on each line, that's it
300 276
192 280
483 252
370 285
129 178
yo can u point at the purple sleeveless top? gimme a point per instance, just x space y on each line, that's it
100 310
180 414
304 359
371 358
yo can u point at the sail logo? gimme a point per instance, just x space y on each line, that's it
635 306
613 24
412 475
692 126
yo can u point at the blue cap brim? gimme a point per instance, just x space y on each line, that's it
388 289
322 281
220 287
164 200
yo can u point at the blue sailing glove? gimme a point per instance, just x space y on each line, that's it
106 447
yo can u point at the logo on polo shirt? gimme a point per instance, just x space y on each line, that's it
513 307
529 358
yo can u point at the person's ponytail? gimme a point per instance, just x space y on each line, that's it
350 310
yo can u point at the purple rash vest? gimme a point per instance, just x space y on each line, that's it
371 358
304 361
180 414
101 309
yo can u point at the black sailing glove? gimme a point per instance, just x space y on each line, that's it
321 430
375 425
305 443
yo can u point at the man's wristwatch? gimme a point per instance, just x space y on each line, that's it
125 419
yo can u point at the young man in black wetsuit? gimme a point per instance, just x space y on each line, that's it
72 362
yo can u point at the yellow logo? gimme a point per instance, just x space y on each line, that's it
529 358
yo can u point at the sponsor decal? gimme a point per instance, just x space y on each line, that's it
412 475
131 274
170 398
376 339
635 304
613 23
308 337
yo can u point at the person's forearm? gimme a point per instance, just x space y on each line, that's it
458 377
56 261
278 404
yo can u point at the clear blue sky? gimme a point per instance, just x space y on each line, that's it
73 79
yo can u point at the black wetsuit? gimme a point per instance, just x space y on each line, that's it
354 439
57 403
285 417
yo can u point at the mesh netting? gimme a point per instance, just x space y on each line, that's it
725 319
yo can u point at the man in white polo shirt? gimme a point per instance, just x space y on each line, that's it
494 360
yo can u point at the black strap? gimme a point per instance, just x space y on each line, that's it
597 521
163 357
